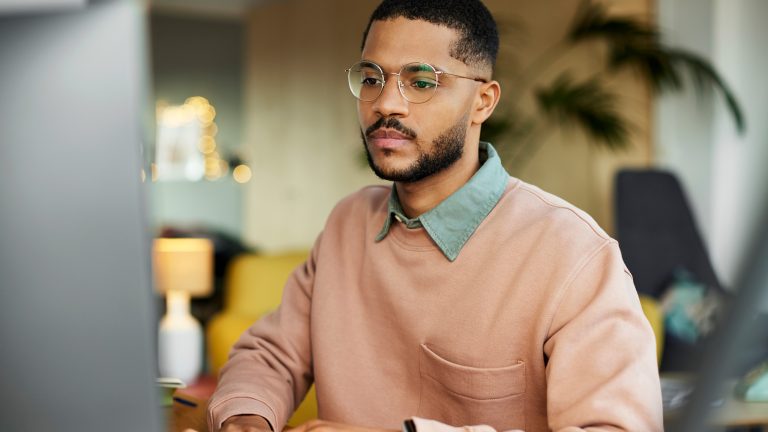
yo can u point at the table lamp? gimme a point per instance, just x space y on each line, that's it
183 267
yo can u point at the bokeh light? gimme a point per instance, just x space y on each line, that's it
241 173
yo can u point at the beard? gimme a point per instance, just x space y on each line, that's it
446 150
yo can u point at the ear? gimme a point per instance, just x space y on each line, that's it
486 99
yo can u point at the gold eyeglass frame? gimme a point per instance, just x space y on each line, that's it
400 85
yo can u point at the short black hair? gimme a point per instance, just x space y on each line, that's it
478 41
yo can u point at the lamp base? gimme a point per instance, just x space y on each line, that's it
180 340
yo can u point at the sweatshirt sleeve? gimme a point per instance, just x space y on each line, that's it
601 351
269 369
602 373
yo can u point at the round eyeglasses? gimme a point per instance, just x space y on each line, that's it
416 81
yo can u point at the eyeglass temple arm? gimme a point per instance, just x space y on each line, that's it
482 80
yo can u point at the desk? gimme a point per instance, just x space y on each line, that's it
188 410
733 413
737 413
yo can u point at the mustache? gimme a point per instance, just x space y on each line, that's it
390 123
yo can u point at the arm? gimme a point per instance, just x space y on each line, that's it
602 373
270 368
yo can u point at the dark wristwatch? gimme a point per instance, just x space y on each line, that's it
409 426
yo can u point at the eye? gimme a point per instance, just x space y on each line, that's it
371 82
423 84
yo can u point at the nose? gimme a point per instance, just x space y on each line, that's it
391 102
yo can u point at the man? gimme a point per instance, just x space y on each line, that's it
460 297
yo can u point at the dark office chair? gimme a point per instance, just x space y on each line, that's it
657 235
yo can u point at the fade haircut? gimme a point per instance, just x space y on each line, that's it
478 42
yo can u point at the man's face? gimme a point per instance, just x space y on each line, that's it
407 142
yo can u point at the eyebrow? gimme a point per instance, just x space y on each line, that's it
423 66
370 63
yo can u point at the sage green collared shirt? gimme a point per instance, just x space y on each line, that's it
452 222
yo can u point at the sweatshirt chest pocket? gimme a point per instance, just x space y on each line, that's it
464 396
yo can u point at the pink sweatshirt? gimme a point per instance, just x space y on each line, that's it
535 326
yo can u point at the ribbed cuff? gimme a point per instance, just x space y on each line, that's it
221 411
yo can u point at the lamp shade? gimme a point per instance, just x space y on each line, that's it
183 265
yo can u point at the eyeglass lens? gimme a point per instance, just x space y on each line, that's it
417 81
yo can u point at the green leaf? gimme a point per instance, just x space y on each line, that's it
514 124
636 44
494 128
652 62
592 21
663 67
587 105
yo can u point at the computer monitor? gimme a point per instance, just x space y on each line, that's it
77 334
725 351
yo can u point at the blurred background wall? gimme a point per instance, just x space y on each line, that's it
302 132
201 55
723 172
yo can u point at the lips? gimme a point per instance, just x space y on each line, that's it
388 134
388 139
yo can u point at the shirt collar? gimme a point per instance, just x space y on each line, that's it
455 219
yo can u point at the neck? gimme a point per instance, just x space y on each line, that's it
419 197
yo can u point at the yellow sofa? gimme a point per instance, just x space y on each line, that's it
253 287
655 315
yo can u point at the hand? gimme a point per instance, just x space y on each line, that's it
245 423
324 426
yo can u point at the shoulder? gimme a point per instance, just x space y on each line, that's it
570 239
543 206
531 219
564 212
